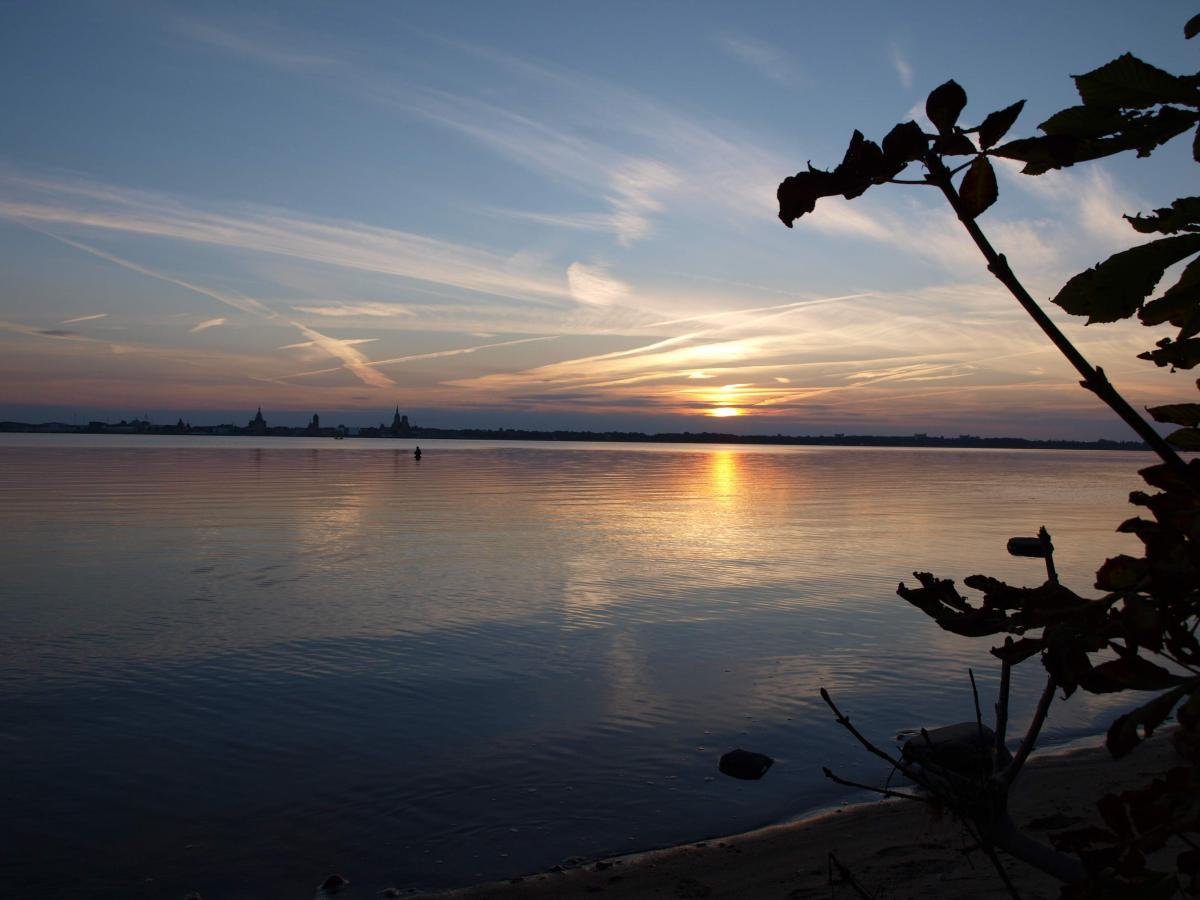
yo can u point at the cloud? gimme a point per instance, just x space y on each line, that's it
761 57
204 326
343 310
594 286
901 64
351 359
349 245
83 318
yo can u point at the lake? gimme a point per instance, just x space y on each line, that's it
236 665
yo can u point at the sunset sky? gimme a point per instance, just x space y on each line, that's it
547 214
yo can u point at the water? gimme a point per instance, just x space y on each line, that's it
237 665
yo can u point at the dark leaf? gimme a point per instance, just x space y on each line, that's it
1176 413
1085 122
1182 215
1053 151
955 144
1165 478
1178 354
1067 663
904 144
798 194
944 105
1120 573
1123 734
1115 288
1129 83
861 167
996 125
1014 652
1192 28
978 189
1130 673
1185 439
1179 304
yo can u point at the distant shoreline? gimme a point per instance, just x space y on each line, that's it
415 433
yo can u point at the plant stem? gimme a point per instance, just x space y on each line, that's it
1094 378
1009 775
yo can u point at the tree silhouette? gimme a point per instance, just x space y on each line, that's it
1140 633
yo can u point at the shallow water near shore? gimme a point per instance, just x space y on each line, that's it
238 665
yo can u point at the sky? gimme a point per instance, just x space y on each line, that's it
548 215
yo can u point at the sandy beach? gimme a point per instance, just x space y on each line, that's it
895 849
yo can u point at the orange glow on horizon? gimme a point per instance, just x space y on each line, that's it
724 412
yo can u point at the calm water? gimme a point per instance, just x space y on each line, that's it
238 665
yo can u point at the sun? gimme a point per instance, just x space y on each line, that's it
724 412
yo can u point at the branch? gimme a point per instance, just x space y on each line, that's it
1002 707
883 792
1094 379
845 875
892 761
1009 775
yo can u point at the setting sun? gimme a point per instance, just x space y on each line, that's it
724 412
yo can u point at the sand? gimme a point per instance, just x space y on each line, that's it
894 848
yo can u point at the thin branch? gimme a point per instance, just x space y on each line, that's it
1009 775
1094 379
909 772
990 851
845 875
1002 708
910 181
883 792
975 695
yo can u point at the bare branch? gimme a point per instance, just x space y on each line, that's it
975 694
1009 775
844 874
1002 706
895 763
883 792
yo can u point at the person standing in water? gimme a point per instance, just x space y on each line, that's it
417 453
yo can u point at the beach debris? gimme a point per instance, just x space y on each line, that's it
965 749
745 764
333 884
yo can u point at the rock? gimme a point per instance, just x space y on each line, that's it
333 884
963 749
745 764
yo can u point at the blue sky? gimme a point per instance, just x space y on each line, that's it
545 215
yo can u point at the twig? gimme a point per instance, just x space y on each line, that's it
883 792
1094 379
1002 707
975 695
1009 775
995 858
845 875
895 763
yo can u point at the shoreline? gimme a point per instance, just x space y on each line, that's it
893 846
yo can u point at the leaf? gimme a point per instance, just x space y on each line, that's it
798 194
1176 413
1085 122
1053 151
904 144
1067 664
1181 214
861 167
1131 673
1192 28
1014 652
1177 354
1178 304
1120 573
1185 439
1123 734
978 189
1115 288
996 125
944 105
955 144
1129 83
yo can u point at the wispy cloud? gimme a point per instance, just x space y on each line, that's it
901 64
760 56
593 285
84 318
351 358
347 310
205 325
